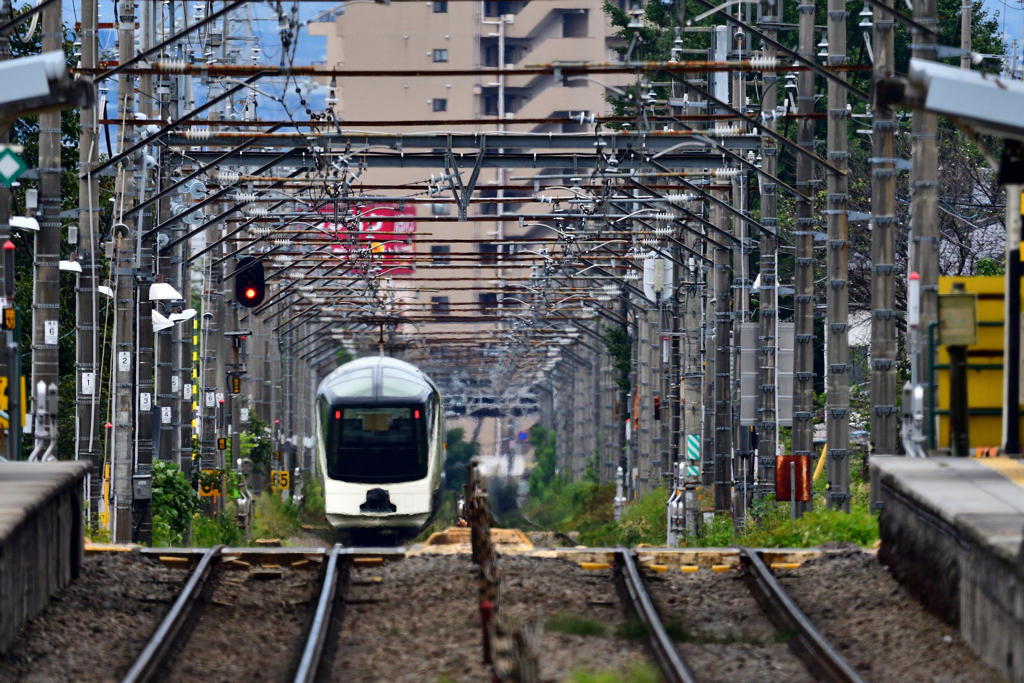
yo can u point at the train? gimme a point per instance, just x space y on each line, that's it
380 448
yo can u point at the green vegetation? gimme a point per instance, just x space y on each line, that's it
574 624
276 518
221 529
587 507
174 503
638 672
460 452
620 348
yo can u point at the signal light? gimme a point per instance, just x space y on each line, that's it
250 286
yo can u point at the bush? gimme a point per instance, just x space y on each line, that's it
221 529
276 518
174 503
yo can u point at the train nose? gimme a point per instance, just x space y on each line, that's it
378 500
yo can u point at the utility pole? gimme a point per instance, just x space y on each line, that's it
837 413
124 293
924 195
87 319
147 407
803 317
884 429
767 303
966 8
722 377
46 261
12 346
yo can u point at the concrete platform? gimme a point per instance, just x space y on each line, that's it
41 537
952 530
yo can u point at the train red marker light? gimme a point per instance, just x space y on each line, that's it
416 414
337 414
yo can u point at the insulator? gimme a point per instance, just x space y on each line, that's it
174 66
663 232
727 172
257 211
764 63
282 242
649 242
631 276
245 197
679 198
227 177
724 131
198 134
665 217
259 231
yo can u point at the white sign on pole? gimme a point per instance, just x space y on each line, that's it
210 399
175 384
124 361
220 397
145 402
88 383
245 414
165 415
50 335
188 391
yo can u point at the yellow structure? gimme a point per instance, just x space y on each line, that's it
984 367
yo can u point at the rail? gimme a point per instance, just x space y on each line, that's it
151 663
784 614
664 649
310 661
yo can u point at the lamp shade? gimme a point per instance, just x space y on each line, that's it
160 322
105 291
71 266
161 291
187 314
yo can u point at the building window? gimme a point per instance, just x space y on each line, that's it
441 210
574 24
440 6
489 252
440 253
488 301
440 55
439 304
440 105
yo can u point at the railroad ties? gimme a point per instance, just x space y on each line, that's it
821 659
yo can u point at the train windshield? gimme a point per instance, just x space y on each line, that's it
376 443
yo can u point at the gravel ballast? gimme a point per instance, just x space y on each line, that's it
724 636
877 626
421 622
250 629
93 629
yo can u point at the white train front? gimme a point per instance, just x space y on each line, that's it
380 446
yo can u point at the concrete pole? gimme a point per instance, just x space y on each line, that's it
13 450
46 285
966 8
87 318
708 477
803 316
722 376
124 362
884 427
837 413
924 195
767 304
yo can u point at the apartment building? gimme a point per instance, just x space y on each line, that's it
450 35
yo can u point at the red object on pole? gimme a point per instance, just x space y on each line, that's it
486 610
803 478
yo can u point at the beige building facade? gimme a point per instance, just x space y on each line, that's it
463 269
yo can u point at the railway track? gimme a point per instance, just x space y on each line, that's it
820 658
173 633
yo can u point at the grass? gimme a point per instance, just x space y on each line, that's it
587 508
575 625
638 672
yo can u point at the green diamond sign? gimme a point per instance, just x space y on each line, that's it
11 167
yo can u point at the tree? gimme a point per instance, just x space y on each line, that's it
460 452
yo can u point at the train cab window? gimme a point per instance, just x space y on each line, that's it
358 383
398 384
377 444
